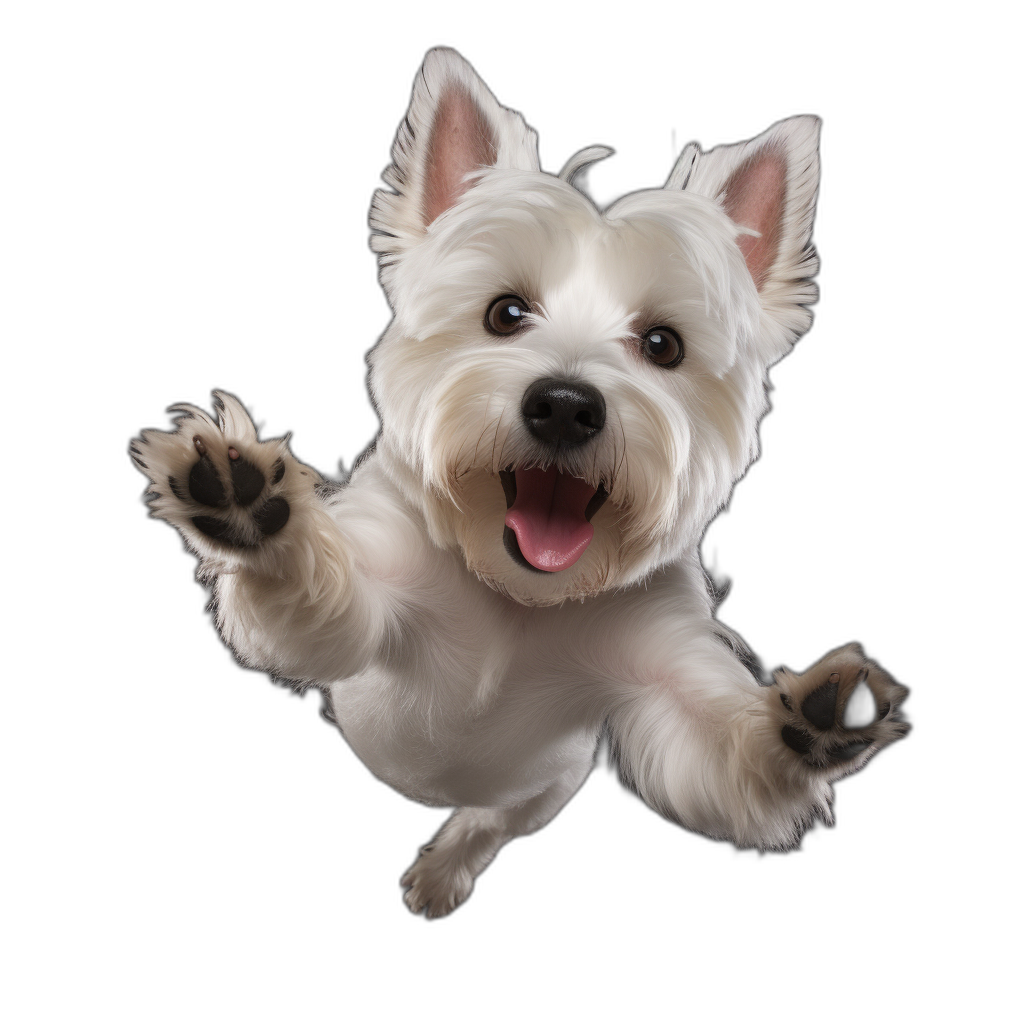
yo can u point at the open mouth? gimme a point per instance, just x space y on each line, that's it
547 525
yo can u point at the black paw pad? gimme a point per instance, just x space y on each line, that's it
246 481
796 739
278 471
819 707
272 516
860 708
205 485
217 529
848 752
786 702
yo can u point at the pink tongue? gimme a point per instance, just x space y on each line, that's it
549 518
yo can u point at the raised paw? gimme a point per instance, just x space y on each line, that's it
839 712
214 480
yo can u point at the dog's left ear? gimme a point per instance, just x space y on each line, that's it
767 185
454 126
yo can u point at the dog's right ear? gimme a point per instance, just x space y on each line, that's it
454 126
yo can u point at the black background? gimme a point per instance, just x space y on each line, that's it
239 172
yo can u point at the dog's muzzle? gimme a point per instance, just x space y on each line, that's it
547 523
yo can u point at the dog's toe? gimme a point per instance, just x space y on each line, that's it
246 479
819 707
204 483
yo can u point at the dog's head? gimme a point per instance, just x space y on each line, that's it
568 393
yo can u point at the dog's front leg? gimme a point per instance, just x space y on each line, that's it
288 599
707 746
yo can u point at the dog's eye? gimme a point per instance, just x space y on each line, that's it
506 315
662 346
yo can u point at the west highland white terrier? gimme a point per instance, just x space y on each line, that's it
511 571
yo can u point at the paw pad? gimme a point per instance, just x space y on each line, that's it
248 483
819 708
204 485
246 480
840 711
214 479
848 752
797 739
272 516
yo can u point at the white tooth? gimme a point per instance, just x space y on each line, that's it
860 708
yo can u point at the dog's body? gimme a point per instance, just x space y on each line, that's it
567 397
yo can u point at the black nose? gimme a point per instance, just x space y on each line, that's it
563 412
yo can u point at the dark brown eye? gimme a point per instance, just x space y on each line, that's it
662 346
506 315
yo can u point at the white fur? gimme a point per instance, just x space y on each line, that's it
459 677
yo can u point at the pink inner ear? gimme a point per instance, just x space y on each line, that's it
461 140
755 197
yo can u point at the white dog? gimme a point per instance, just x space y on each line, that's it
567 396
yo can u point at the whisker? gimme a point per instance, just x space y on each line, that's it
501 451
487 409
622 460
458 458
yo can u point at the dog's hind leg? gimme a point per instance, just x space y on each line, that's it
444 872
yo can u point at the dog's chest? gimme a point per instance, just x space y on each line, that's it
478 701
475 696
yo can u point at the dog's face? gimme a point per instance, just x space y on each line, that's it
570 394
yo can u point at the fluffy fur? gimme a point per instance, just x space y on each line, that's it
461 675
